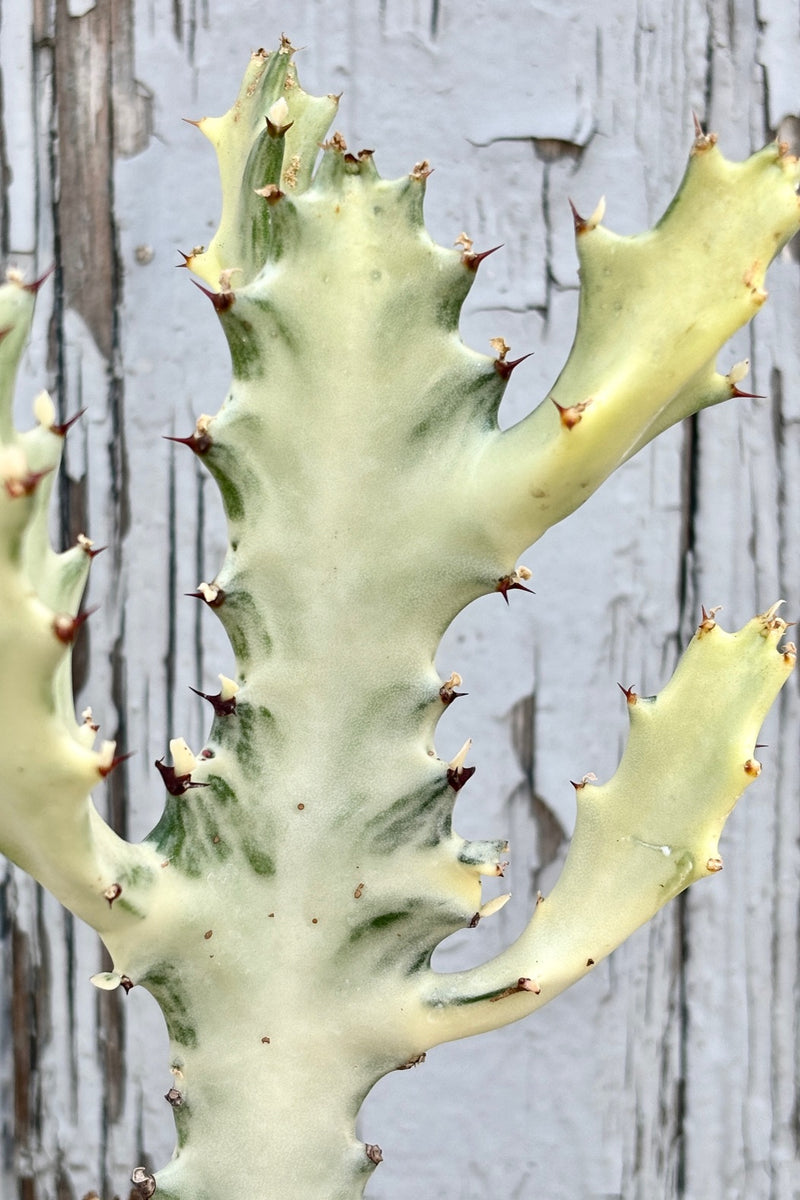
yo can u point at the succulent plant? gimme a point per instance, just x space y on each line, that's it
284 910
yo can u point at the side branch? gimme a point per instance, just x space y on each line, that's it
654 311
643 837
48 825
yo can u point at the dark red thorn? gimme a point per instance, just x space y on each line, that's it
92 552
189 121
277 131
458 776
745 395
473 261
200 443
699 132
447 697
66 627
187 258
221 300
508 584
126 983
25 487
218 599
176 784
63 430
222 708
578 221
522 985
33 287
106 771
629 694
504 368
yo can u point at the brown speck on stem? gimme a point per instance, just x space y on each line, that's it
291 171
358 893
112 892
265 1041
314 921
590 962
475 921
300 807
174 1098
374 1154
208 933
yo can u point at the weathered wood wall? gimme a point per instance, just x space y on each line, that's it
674 1070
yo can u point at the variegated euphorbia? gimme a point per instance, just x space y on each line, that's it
285 908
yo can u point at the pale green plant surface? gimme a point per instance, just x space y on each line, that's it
285 908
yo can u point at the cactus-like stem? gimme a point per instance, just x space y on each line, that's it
285 908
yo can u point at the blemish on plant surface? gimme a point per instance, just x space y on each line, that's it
314 921
265 1041
208 933
358 893
300 807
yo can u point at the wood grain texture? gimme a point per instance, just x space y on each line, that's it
673 1072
